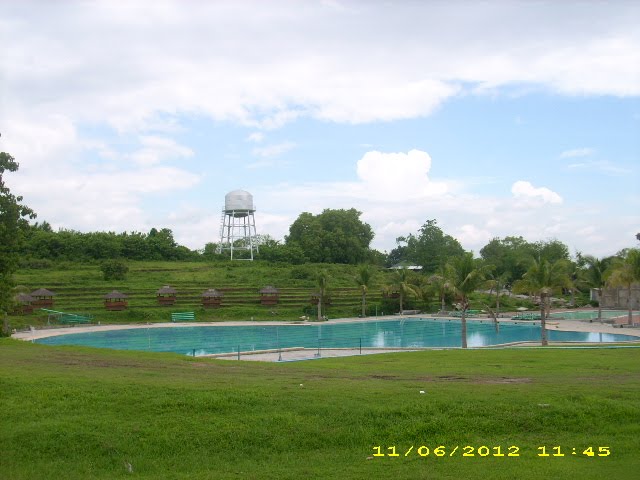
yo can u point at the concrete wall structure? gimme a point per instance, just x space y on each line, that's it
618 297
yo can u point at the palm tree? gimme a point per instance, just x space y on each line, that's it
401 283
625 272
424 291
496 282
595 277
465 275
573 272
440 283
322 281
543 278
363 280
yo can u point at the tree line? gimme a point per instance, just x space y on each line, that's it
40 242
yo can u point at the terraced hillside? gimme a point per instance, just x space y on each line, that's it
80 288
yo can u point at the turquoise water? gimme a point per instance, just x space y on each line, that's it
406 333
589 314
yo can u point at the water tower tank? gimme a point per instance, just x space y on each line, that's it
238 225
238 203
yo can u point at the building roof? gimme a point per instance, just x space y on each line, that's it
115 295
269 289
167 290
42 292
24 298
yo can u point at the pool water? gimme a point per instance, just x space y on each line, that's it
407 333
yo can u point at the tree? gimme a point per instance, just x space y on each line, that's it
496 282
334 236
322 281
363 280
624 273
398 254
595 276
575 273
161 244
274 251
42 242
424 291
431 248
553 250
465 275
440 282
402 284
544 278
510 257
13 222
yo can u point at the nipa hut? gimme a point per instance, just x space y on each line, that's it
212 298
115 301
43 298
166 295
269 295
24 303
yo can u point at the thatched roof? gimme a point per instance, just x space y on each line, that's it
115 295
24 298
42 292
167 290
212 293
269 290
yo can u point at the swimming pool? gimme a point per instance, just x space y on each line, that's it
407 333
588 314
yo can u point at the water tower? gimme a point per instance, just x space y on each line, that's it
238 225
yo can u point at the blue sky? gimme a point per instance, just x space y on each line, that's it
500 118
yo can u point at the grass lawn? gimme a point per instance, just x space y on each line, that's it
82 413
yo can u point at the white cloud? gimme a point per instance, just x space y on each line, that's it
157 149
472 235
362 100
394 176
525 190
268 66
577 152
256 137
90 201
63 181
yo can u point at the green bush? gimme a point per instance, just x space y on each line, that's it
114 269
301 273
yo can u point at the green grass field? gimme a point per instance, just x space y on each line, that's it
81 413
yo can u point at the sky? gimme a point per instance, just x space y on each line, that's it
493 118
